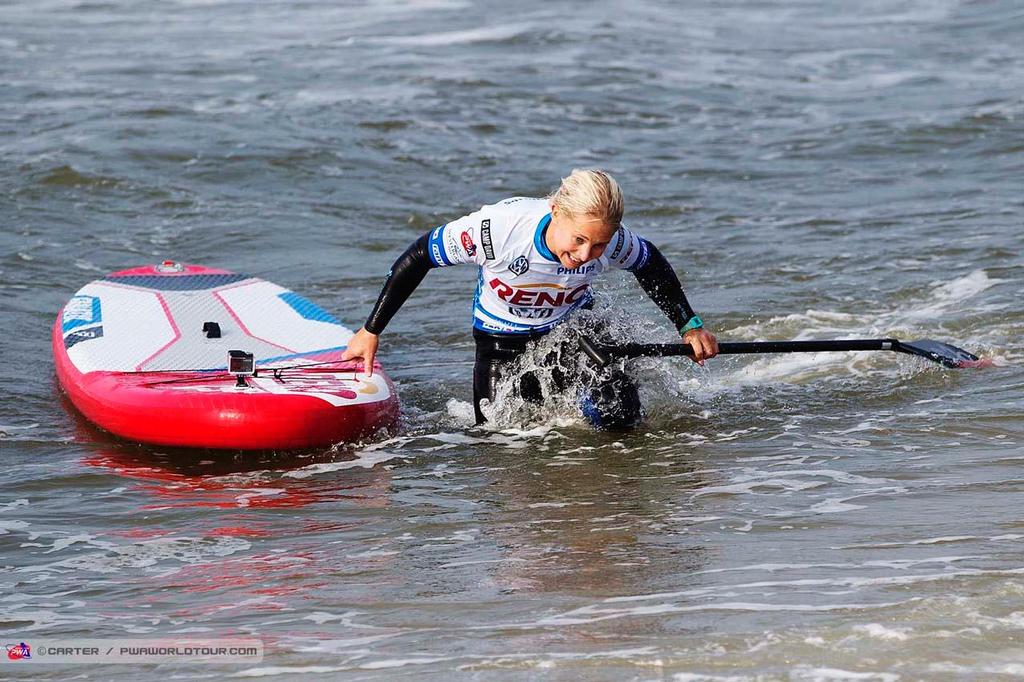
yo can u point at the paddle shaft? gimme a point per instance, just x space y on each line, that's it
633 350
936 351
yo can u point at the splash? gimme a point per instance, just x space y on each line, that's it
947 298
555 383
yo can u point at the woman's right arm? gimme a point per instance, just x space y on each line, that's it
405 275
453 243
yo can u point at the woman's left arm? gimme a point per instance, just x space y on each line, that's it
659 281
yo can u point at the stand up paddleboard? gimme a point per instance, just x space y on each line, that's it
144 353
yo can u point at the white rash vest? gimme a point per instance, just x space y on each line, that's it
522 287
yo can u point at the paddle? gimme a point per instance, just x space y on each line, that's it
936 351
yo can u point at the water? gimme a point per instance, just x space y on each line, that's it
815 170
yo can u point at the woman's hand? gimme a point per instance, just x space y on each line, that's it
704 344
363 345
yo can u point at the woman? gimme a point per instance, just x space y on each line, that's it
537 258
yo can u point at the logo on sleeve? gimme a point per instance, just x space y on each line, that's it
519 266
628 252
485 239
467 244
618 245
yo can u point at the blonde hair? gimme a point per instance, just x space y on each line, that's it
590 192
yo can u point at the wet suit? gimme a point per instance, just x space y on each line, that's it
523 291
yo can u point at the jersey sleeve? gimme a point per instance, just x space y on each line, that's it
470 239
628 250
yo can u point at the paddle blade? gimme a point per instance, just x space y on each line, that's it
943 353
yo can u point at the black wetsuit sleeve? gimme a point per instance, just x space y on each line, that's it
659 280
406 274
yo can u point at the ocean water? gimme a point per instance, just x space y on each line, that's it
813 170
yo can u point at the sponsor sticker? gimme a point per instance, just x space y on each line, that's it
628 251
438 251
618 244
534 297
519 266
467 244
79 335
532 313
485 239
581 270
452 245
80 311
491 326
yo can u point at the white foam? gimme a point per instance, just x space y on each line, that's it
46 620
787 485
20 502
88 266
321 617
694 520
274 671
923 541
461 412
372 554
949 296
341 645
454 438
447 38
793 481
389 663
878 631
22 427
116 558
879 81
12 525
836 675
64 543
659 609
834 506
563 461
834 474
365 460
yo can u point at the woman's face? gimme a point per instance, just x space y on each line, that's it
576 240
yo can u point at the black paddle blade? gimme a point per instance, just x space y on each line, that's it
943 353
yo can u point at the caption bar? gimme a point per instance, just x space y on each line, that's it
30 651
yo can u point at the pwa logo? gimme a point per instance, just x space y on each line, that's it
19 652
536 298
468 245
